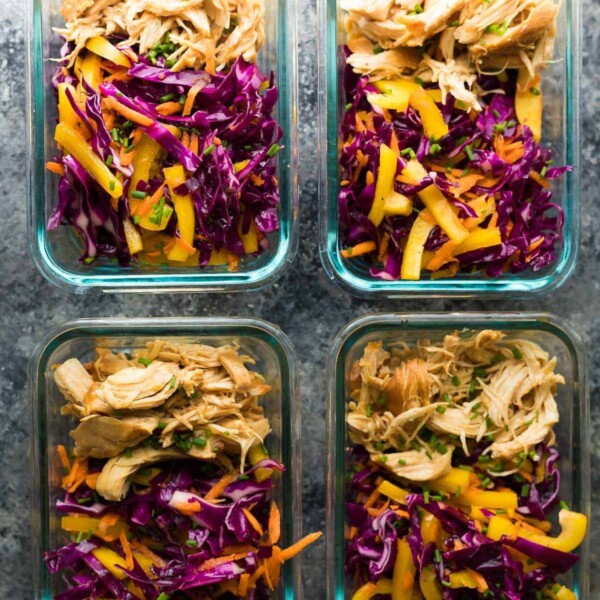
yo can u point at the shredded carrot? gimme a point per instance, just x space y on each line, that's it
267 576
215 562
108 520
128 113
194 143
187 247
539 179
274 527
256 576
253 521
219 487
189 508
239 549
383 247
493 221
191 97
359 249
257 179
92 480
185 139
168 108
376 512
465 184
143 549
402 513
125 157
55 167
170 245
345 182
369 178
145 206
118 76
535 245
275 563
359 124
243 585
372 498
109 119
64 457
353 532
76 475
127 551
307 540
441 257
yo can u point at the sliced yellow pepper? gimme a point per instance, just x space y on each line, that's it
415 246
404 572
397 204
479 238
462 579
102 47
386 173
250 239
66 112
74 144
367 591
112 561
430 528
91 71
257 453
133 588
218 258
133 237
430 588
529 102
437 204
395 95
564 593
238 166
184 208
89 525
392 491
453 482
144 562
476 497
434 125
146 157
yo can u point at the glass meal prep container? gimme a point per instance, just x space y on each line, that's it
274 359
560 133
572 430
56 253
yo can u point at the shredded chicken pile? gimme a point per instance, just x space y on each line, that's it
412 407
449 41
207 33
169 401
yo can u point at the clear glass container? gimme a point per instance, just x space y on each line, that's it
572 431
56 253
561 134
275 360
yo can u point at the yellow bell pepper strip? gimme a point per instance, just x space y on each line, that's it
239 166
434 125
249 239
462 579
430 588
386 173
430 528
437 204
133 237
507 500
102 47
397 204
66 112
91 71
564 593
82 524
257 453
404 572
218 258
453 482
395 95
529 102
184 208
112 561
369 590
573 530
413 252
479 238
146 157
393 491
74 144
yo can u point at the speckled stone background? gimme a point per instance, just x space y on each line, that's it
303 303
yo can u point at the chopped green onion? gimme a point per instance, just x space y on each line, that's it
273 150
138 195
517 353
440 410
456 380
167 97
209 150
145 361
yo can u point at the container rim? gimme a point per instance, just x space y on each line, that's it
263 275
327 184
172 327
543 321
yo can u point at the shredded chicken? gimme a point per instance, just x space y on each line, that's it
411 407
456 39
208 34
171 400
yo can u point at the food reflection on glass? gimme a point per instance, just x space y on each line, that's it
454 472
443 170
166 134
168 486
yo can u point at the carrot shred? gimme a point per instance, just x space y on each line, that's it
191 97
127 550
215 562
194 143
143 549
441 257
109 119
168 108
481 583
353 532
233 261
256 576
307 540
274 527
374 495
64 457
539 179
108 520
76 475
185 139
376 512
55 167
535 245
128 113
189 508
243 585
359 249
253 521
145 206
92 480
125 157
219 487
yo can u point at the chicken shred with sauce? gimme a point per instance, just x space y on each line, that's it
168 400
412 407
